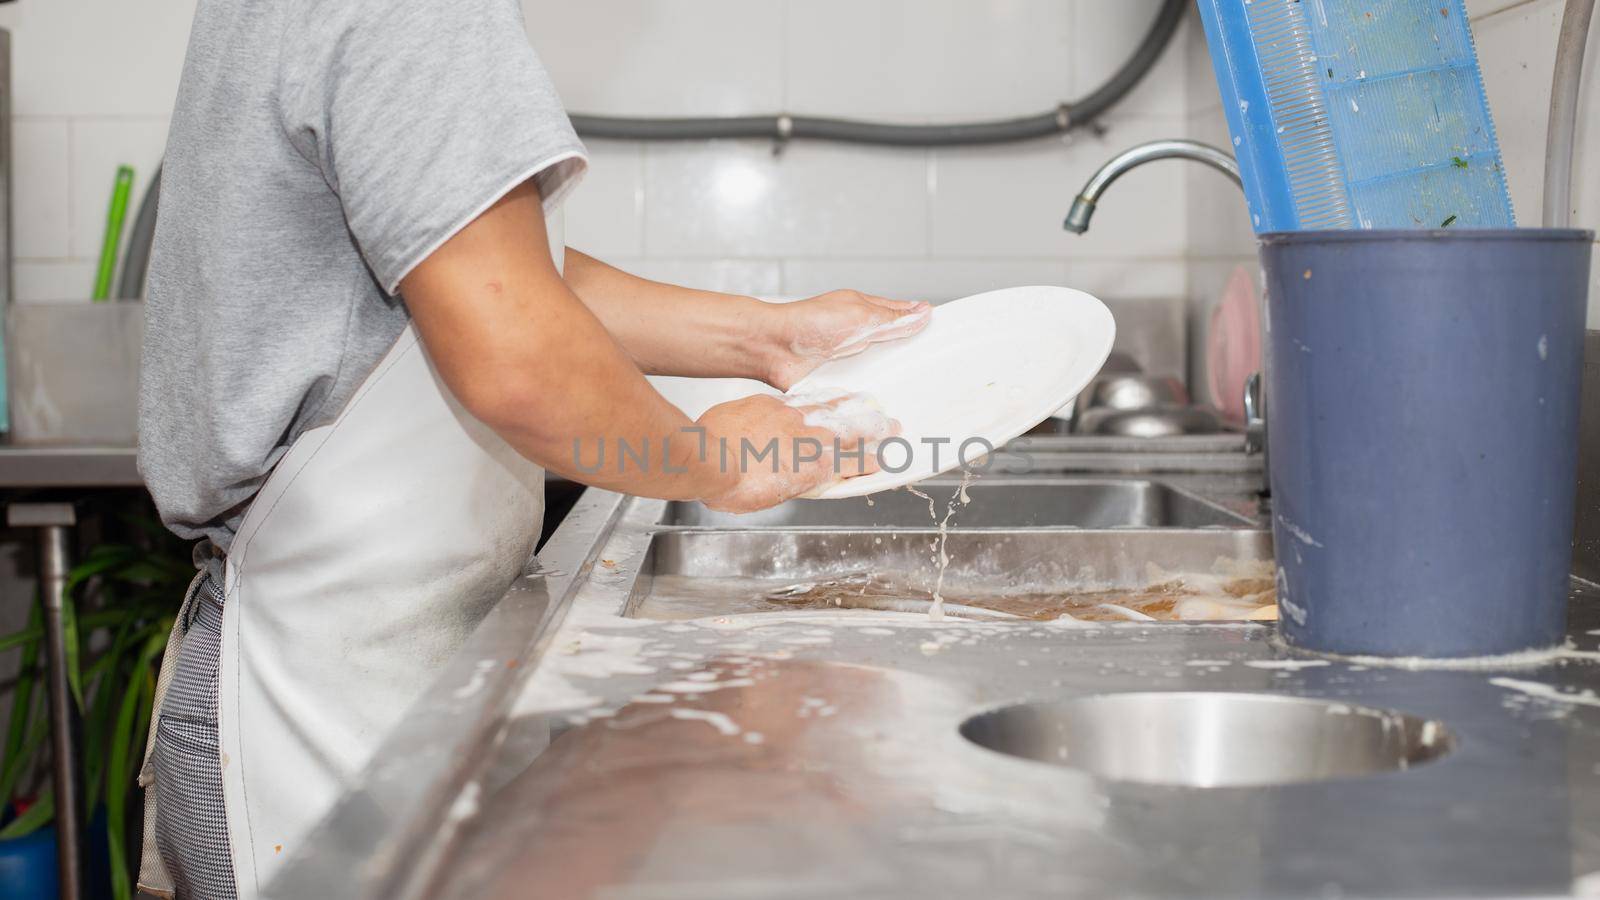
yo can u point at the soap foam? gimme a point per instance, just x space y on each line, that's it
860 339
847 414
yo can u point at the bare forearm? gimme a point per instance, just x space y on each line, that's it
670 330
525 356
577 406
604 425
558 375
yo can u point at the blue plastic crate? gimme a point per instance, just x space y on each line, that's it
1348 114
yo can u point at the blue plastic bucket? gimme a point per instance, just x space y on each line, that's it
1423 433
28 866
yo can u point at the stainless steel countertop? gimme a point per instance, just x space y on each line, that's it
817 754
42 466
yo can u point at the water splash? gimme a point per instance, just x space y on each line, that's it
940 558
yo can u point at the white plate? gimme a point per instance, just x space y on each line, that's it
986 369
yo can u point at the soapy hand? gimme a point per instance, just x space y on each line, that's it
786 447
835 325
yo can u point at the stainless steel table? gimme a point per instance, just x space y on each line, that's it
70 468
577 745
67 467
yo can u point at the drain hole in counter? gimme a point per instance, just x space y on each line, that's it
1205 740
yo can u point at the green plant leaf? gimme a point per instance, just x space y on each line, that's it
99 717
138 589
15 767
18 638
40 813
120 752
117 825
22 690
101 559
74 649
141 571
151 528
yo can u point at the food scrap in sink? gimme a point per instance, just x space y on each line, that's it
1233 591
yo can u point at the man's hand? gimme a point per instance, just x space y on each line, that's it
778 456
808 333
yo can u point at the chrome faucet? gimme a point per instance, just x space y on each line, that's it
1130 159
1082 211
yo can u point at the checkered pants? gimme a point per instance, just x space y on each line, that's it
191 831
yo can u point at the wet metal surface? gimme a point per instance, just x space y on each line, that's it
1209 739
1031 574
997 503
822 756
819 753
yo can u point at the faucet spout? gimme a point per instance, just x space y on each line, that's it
1084 205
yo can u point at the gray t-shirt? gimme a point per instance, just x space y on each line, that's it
319 150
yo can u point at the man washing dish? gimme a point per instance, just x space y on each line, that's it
366 342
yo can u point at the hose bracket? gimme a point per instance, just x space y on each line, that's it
783 134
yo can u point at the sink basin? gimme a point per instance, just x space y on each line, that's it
996 503
1110 575
1203 739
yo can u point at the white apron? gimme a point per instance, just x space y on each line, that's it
374 548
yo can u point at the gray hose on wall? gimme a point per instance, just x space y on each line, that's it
1563 130
784 127
1063 118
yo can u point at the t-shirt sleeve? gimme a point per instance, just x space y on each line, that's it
421 114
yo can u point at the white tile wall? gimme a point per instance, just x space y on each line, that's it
930 60
52 280
662 57
1010 201
41 183
96 57
936 224
1108 32
926 279
94 82
606 219
752 277
738 199
1515 48
92 88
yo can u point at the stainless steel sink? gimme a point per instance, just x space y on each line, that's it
1131 574
996 503
1203 739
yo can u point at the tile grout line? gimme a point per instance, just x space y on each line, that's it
72 130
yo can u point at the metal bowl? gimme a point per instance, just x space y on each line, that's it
1128 391
1156 421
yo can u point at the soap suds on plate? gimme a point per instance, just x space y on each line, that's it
843 413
